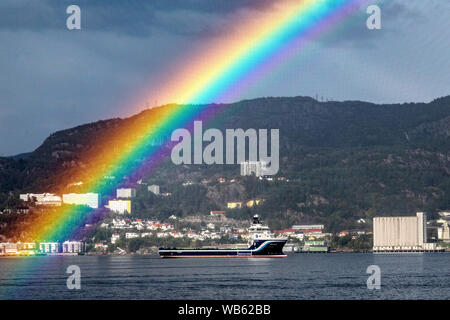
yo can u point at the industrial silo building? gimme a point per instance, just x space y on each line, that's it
401 234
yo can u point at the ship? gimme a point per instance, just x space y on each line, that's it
262 244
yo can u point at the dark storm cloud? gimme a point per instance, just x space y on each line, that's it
130 17
184 17
52 78
394 15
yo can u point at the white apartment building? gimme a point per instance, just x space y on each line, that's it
42 199
300 227
131 235
125 193
120 206
444 231
9 248
444 214
154 189
49 247
72 246
115 237
256 167
87 199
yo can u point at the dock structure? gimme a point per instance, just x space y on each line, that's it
315 246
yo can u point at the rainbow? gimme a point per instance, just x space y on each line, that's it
217 72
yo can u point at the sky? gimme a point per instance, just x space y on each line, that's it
52 78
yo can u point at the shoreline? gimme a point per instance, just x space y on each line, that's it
156 254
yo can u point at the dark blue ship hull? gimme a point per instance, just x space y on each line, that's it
259 249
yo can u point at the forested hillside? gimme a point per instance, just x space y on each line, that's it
344 161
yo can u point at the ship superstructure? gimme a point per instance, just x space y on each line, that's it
262 244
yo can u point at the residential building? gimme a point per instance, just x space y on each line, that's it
234 205
146 234
100 246
175 234
73 247
217 213
87 199
49 247
444 214
8 248
309 228
22 209
126 193
131 235
162 234
444 232
253 167
115 237
26 248
120 206
252 203
154 189
343 234
42 199
285 232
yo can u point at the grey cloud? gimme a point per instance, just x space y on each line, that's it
132 17
394 16
52 78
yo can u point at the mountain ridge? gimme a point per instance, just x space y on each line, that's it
353 156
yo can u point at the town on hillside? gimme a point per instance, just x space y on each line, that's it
121 230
